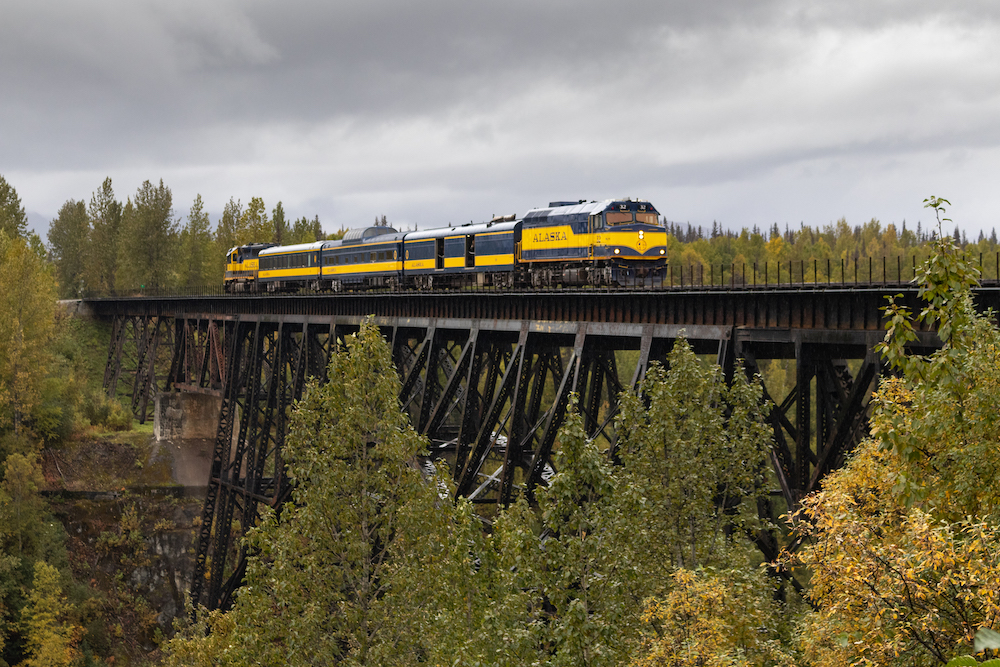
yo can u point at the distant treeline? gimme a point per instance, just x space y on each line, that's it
106 245
826 253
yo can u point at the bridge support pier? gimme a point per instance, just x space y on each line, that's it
185 416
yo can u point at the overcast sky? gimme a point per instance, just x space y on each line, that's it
744 112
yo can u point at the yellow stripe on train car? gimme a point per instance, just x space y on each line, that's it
494 260
418 264
289 273
356 269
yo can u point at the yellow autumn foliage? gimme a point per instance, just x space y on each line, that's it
903 543
894 584
714 618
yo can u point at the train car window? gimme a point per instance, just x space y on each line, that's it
648 218
618 217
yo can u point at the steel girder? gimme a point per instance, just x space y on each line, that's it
198 362
133 354
490 395
820 418
268 365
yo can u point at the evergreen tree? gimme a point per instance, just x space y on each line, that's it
581 572
105 218
69 237
13 220
305 230
254 227
149 238
200 265
280 224
316 591
227 231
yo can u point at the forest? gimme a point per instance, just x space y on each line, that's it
646 559
104 246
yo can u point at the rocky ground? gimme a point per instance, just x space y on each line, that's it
131 507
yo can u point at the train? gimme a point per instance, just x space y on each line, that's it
615 242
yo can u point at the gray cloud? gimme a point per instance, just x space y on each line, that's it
446 109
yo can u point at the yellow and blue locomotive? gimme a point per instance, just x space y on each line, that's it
613 242
242 267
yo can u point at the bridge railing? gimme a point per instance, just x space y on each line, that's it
788 274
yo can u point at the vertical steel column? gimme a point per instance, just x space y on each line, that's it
221 457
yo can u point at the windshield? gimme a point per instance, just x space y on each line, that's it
624 217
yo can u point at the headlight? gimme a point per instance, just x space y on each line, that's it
640 233
663 252
617 251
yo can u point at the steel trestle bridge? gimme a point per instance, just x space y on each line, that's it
487 376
